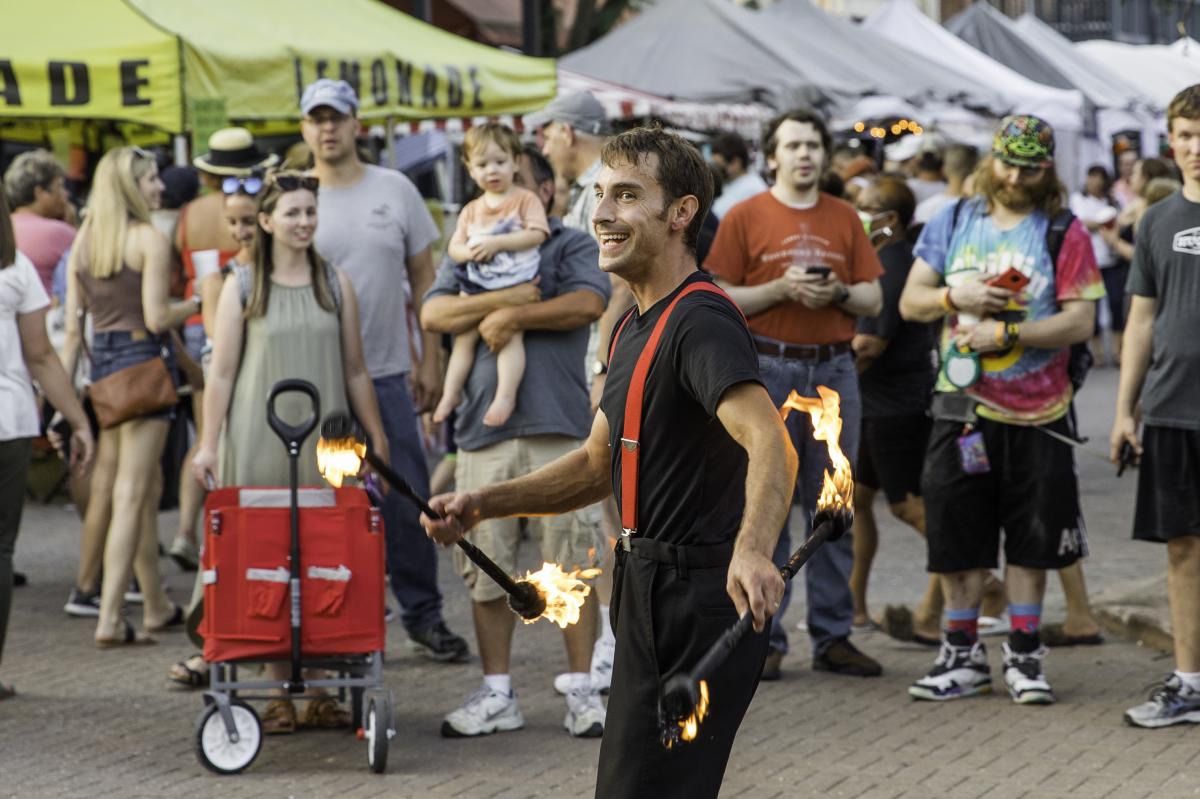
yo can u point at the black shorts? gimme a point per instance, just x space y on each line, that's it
1115 278
1031 493
1168 495
891 453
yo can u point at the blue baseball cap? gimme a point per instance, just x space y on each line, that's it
337 94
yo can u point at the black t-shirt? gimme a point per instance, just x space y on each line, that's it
692 474
901 381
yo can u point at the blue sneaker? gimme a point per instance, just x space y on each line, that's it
1171 702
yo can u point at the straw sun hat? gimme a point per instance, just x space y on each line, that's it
232 151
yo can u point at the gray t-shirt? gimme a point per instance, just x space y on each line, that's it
369 230
1166 266
553 398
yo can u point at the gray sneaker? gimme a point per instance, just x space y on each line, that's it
82 605
485 712
1171 702
585 714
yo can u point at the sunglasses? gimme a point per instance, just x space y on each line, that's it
251 185
294 182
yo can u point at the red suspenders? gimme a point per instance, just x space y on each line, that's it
632 428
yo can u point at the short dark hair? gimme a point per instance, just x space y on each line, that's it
805 115
1184 105
1156 168
730 146
681 169
538 164
895 195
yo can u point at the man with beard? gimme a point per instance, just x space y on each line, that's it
1011 314
697 456
799 264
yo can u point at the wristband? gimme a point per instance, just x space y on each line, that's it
1001 336
948 304
1012 333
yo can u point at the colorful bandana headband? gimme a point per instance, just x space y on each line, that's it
1024 141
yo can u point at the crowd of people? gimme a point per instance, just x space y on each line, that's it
948 296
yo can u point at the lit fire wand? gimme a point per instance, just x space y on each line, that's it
547 592
685 700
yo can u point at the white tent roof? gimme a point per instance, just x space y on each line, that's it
903 23
1160 70
1105 87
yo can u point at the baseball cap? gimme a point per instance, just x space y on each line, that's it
1024 140
580 110
337 94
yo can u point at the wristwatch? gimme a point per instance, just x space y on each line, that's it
843 294
599 368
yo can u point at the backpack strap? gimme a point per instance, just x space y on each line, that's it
1056 234
631 430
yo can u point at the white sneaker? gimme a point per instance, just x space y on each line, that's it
485 712
958 672
1023 676
602 664
585 714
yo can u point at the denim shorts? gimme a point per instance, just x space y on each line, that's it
114 350
193 341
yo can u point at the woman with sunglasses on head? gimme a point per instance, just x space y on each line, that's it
119 273
289 315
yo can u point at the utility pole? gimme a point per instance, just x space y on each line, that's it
531 26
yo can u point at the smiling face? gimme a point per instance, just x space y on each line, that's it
293 220
240 211
492 167
330 134
799 155
630 220
151 187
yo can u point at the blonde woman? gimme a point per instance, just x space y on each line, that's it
290 315
119 272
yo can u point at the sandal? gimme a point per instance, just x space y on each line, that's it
1056 635
325 714
131 637
191 673
178 617
279 717
897 623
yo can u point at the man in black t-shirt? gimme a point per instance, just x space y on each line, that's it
704 485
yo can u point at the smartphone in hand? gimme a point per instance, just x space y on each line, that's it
819 271
1012 279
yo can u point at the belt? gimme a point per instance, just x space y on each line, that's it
685 557
801 352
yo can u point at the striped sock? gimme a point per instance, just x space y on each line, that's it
965 622
1025 618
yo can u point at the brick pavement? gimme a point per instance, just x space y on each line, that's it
90 723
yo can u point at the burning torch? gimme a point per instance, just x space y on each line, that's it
549 592
685 700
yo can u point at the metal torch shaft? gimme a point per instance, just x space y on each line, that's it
473 552
724 646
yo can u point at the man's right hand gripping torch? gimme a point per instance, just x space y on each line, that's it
685 696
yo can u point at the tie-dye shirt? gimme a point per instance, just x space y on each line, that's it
1029 383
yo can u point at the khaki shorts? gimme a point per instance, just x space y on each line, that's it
571 540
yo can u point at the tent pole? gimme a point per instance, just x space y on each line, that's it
181 150
389 126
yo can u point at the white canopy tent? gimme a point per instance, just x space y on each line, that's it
903 23
1159 71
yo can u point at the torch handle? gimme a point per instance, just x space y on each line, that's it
473 552
400 484
723 647
801 556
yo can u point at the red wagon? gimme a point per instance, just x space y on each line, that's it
294 575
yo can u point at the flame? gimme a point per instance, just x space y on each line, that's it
339 458
837 490
564 592
690 726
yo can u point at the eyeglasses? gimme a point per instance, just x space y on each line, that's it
251 185
293 181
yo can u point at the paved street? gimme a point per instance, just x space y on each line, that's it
91 723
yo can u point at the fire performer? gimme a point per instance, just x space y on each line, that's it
698 457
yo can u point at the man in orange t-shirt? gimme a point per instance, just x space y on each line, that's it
799 264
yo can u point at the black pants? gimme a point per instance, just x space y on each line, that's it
14 467
669 605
